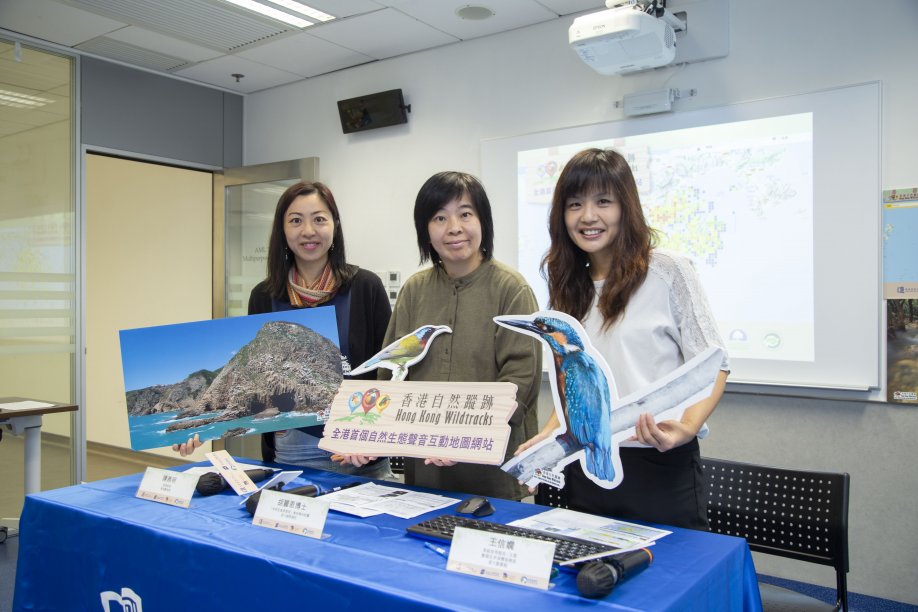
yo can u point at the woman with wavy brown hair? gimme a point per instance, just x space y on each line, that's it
645 311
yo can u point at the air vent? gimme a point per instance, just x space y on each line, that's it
129 54
198 21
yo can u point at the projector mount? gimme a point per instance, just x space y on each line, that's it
656 8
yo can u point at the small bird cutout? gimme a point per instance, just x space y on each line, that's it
404 352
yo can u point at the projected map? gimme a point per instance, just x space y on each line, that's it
735 197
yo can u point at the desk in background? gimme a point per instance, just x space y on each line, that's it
96 540
28 423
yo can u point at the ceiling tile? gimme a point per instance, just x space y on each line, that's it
382 34
215 24
566 7
37 72
219 72
161 43
508 14
207 40
53 21
304 55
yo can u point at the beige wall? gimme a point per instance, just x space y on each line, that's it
148 262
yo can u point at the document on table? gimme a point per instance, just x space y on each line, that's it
371 499
24 405
622 535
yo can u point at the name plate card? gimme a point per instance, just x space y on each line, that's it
233 472
501 557
167 487
461 421
291 513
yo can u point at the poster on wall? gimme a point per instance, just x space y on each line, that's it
902 350
230 377
900 243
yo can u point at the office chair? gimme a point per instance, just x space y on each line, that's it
790 513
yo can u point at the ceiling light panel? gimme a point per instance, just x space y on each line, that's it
303 9
270 11
205 22
21 100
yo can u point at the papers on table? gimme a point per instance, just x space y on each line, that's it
371 499
24 405
621 535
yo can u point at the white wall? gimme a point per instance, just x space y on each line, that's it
529 80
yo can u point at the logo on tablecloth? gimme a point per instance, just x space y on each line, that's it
125 601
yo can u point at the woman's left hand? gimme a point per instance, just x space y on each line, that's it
439 462
354 460
663 436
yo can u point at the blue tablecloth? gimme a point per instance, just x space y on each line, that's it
80 542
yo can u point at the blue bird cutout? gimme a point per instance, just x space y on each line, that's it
404 352
594 418
583 389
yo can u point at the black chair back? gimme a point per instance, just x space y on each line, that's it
790 513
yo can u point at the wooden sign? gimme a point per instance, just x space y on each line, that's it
461 421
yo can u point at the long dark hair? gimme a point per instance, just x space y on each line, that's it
278 260
570 288
441 189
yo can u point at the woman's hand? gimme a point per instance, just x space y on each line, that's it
440 462
354 460
542 435
552 426
186 448
663 436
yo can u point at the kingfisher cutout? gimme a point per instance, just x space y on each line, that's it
594 419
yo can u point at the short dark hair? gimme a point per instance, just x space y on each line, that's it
441 189
278 261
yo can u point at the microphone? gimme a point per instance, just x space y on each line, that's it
251 503
212 483
597 578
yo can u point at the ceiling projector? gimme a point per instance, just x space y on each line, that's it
622 40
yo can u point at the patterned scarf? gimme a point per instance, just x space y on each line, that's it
303 294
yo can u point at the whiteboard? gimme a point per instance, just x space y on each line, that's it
777 203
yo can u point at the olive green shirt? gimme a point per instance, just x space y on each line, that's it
478 350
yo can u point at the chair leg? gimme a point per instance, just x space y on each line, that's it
842 588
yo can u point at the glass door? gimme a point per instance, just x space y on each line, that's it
244 202
38 303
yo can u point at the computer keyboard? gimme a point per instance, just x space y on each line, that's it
441 528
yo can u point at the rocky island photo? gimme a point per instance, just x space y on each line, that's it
278 371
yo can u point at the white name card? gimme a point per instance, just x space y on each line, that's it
501 557
291 513
233 472
167 487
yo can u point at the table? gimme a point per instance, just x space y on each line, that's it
96 540
28 423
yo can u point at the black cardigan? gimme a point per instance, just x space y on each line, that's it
369 317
